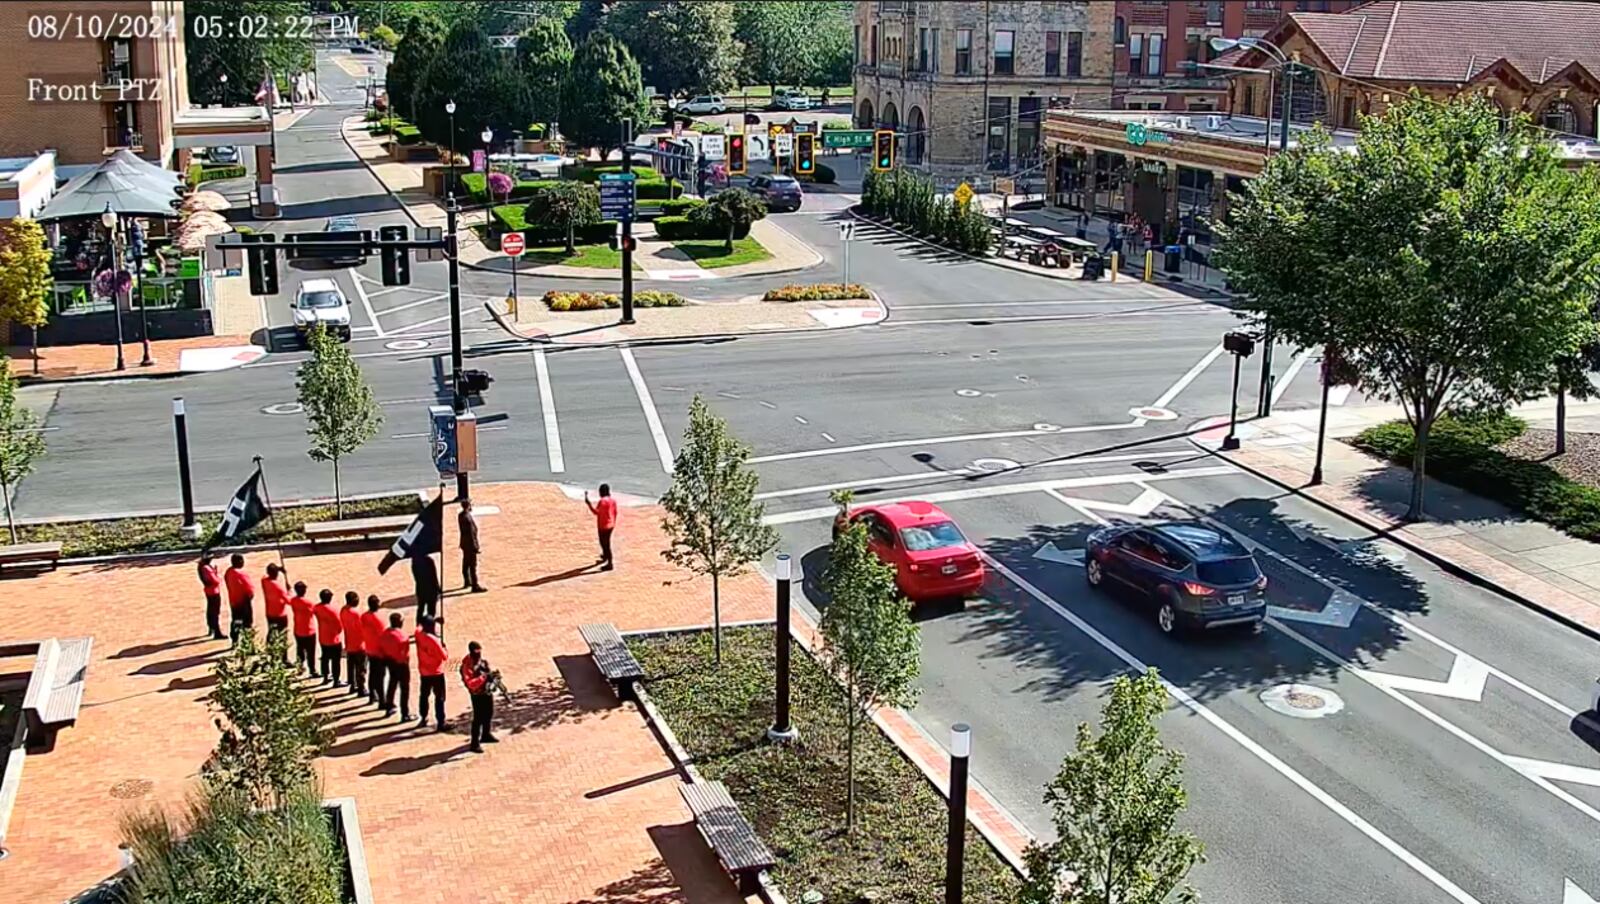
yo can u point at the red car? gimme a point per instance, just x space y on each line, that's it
931 557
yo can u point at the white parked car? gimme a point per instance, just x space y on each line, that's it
320 301
787 99
704 104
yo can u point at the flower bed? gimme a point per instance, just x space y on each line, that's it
817 292
594 301
794 795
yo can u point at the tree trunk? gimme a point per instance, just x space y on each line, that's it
1561 419
571 248
5 492
36 351
1419 462
850 767
716 618
338 498
733 226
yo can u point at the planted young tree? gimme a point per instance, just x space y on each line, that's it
341 413
730 213
1573 377
1115 806
1452 258
564 206
270 730
21 442
871 645
602 88
713 521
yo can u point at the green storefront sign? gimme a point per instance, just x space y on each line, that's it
1139 135
847 138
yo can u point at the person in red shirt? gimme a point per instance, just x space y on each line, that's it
328 628
355 644
377 665
305 633
431 657
211 583
605 521
475 673
241 598
397 650
275 593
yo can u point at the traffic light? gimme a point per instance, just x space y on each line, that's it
475 382
624 243
883 150
805 152
736 162
261 264
396 262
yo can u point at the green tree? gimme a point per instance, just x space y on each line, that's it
1452 257
730 212
871 645
1573 376
544 54
833 57
341 413
1115 806
589 18
384 37
713 522
684 47
21 442
24 278
602 88
776 39
564 206
481 80
270 730
214 48
413 56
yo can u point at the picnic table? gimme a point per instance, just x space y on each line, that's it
1045 232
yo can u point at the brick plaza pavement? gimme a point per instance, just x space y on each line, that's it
578 803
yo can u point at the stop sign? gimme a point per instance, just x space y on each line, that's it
511 243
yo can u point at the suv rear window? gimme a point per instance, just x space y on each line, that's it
1228 571
924 537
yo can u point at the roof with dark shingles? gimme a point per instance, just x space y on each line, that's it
1418 41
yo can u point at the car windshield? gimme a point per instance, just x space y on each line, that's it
320 300
340 225
1228 571
784 182
924 537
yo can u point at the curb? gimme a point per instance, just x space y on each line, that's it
1392 534
116 376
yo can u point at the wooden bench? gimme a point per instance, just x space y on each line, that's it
55 688
386 527
611 656
30 555
731 837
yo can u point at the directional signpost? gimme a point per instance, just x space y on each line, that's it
847 234
616 196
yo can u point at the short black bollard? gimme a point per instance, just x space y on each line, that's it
956 844
781 731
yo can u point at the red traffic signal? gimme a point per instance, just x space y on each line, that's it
736 154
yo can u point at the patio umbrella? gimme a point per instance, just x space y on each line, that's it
127 163
206 200
100 189
197 227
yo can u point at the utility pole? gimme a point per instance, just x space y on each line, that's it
463 479
1264 403
627 224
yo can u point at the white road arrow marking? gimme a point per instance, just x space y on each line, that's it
1149 500
1338 395
1311 535
1466 682
1572 894
1052 553
1561 772
1338 612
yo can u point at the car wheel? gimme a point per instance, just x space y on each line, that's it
1093 572
1167 616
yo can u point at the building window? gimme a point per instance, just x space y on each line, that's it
933 50
1004 53
1560 116
1191 51
999 132
857 54
1074 54
963 51
1028 127
1119 31
1135 53
1052 53
1214 12
922 50
1153 56
874 45
1249 102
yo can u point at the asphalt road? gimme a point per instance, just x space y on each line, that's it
1031 409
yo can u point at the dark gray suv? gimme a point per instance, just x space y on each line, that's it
1192 574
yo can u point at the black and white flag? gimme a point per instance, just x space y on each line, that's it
424 537
245 510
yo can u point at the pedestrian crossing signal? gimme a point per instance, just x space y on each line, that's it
883 150
736 158
805 163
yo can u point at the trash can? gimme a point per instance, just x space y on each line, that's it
1094 267
1174 259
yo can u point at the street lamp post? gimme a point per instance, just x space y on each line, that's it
782 731
109 221
136 236
488 147
450 110
1240 345
956 841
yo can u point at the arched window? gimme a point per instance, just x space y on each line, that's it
1559 116
1308 101
864 118
917 137
1119 31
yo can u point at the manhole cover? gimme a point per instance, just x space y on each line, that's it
1302 701
407 345
1043 427
995 465
131 789
284 408
968 393
1154 414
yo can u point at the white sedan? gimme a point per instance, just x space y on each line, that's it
321 301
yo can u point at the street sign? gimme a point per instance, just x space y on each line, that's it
963 194
756 146
1004 185
783 143
847 230
616 196
511 243
847 138
713 147
800 128
442 440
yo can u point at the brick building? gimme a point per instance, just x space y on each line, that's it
967 83
1154 41
47 84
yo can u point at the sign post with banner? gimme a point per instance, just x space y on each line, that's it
480 161
513 245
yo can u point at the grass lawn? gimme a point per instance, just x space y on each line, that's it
598 257
794 795
709 253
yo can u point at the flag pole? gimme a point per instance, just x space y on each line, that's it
272 515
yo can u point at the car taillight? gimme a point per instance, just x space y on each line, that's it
914 567
1194 589
1261 582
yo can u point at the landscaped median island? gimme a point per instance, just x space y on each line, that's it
795 794
594 301
817 292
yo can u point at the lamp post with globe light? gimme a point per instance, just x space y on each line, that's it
450 110
108 219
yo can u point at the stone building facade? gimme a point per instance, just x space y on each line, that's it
967 84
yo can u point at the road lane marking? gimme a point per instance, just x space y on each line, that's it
413 304
1009 489
829 437
1255 749
964 472
417 326
1029 318
1572 894
937 440
1289 375
1561 772
547 409
1037 302
1166 398
366 302
1468 678
651 416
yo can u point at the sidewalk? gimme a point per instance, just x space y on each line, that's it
742 316
1473 537
65 363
